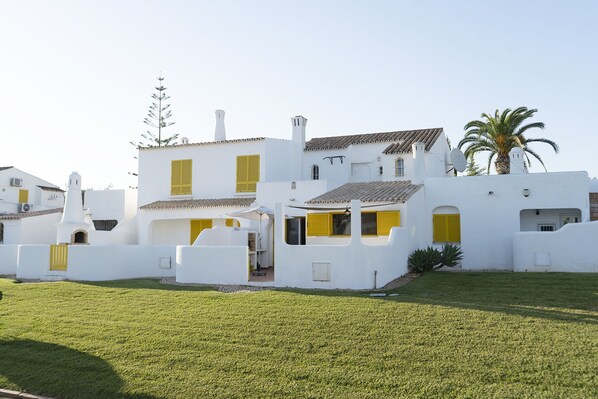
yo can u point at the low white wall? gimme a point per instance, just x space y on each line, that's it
571 249
8 259
99 263
212 264
352 266
33 261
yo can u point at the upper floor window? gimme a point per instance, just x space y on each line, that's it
180 177
400 167
315 172
248 173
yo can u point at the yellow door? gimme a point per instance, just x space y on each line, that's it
197 226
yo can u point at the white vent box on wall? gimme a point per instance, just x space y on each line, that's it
165 263
320 271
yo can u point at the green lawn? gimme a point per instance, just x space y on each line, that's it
469 335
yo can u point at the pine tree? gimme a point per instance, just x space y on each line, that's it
157 118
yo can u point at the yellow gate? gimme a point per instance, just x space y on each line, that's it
59 256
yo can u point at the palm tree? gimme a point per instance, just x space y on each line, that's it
500 134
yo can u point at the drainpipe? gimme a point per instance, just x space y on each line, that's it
375 277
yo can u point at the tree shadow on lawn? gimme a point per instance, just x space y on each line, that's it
570 297
49 369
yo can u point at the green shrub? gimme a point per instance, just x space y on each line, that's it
423 260
451 255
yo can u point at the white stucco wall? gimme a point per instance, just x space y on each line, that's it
571 249
172 226
31 230
490 209
271 193
8 259
98 263
117 205
352 266
212 264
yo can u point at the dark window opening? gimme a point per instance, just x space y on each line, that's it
341 224
105 225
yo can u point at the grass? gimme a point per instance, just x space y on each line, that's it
463 335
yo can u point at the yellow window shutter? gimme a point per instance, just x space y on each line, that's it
186 176
318 224
248 173
23 196
386 220
454 228
253 173
181 177
439 223
242 174
232 223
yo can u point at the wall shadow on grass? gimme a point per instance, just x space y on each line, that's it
145 283
57 371
568 297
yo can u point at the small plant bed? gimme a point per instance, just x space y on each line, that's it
469 335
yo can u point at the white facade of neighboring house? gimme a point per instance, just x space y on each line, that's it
18 188
29 208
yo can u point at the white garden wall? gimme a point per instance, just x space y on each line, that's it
99 263
571 249
8 259
212 265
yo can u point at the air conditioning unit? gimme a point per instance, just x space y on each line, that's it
24 207
16 182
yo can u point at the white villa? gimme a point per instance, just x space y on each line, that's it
330 212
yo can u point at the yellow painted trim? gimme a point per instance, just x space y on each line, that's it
59 257
181 177
248 173
23 196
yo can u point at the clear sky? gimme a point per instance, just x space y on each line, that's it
77 75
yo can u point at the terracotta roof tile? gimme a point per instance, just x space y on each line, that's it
202 143
200 203
48 188
402 140
19 216
378 191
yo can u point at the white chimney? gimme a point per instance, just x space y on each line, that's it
517 159
419 163
219 133
73 205
184 140
299 123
